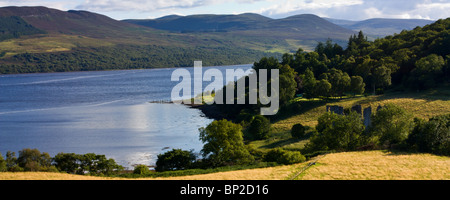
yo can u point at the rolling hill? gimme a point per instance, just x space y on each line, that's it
379 27
40 39
307 28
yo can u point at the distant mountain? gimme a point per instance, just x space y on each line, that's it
378 27
299 27
204 23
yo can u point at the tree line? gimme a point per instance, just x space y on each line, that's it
364 67
391 127
34 160
126 57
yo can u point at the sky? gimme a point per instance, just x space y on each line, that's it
338 9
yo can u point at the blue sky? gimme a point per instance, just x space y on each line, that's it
339 9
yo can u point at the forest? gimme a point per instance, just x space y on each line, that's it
412 60
126 57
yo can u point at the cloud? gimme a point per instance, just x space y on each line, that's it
154 5
340 9
360 9
289 6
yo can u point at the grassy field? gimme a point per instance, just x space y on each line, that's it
420 104
368 165
379 165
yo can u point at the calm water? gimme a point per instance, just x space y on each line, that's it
106 112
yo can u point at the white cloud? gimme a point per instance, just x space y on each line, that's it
154 5
288 6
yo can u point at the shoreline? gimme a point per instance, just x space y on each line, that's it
209 111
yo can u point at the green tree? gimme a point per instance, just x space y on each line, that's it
337 132
309 84
323 88
67 162
432 136
98 165
357 85
340 81
381 77
284 157
391 125
224 143
11 162
428 72
287 84
33 160
259 128
266 63
3 167
176 159
141 170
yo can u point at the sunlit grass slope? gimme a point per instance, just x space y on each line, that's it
368 165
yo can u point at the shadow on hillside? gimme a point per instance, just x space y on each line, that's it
394 152
288 141
297 108
280 143
440 93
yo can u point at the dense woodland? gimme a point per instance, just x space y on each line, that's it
126 57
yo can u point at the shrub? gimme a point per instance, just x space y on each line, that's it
298 131
432 136
259 127
141 170
281 156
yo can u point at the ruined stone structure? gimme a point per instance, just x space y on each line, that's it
367 114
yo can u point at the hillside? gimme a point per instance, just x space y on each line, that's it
304 26
380 27
370 165
71 22
204 23
294 31
50 40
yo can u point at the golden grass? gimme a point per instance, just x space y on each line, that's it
378 165
368 165
47 176
270 173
